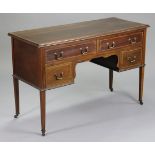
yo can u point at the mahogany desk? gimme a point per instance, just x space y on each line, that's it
45 58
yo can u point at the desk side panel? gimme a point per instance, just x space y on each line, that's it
27 65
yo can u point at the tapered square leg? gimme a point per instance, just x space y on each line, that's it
111 79
43 111
16 94
141 83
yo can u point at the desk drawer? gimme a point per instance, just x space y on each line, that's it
116 42
61 53
59 75
131 58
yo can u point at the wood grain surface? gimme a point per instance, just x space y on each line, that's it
77 31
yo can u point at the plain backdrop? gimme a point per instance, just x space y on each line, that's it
86 110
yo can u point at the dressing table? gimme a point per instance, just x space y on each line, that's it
46 58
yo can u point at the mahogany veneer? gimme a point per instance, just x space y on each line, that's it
46 58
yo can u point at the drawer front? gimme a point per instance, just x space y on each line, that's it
70 51
131 58
59 75
116 42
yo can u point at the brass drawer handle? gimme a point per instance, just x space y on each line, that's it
59 56
132 59
59 76
113 45
133 41
84 51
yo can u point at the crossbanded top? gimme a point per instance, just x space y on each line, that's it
77 31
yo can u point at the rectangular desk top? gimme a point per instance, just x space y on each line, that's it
73 32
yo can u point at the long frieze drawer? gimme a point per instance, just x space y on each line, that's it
61 53
116 42
59 75
132 58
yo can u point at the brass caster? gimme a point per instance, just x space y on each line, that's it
16 115
43 132
111 89
141 102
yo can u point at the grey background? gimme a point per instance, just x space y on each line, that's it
87 110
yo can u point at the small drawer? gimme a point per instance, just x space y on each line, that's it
116 42
59 75
131 58
60 53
